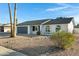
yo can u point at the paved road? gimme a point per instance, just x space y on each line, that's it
8 52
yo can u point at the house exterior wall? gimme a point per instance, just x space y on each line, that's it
29 29
35 32
7 29
0 28
20 30
64 27
70 27
76 30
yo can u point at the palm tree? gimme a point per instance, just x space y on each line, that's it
10 20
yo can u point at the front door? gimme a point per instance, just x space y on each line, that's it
35 29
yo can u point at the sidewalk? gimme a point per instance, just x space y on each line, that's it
8 52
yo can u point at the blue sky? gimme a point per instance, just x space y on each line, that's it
37 11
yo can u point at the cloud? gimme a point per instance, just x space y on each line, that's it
67 10
68 5
63 6
56 9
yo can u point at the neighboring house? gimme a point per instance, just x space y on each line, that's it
46 26
76 29
5 28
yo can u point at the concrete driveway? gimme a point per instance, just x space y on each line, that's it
8 52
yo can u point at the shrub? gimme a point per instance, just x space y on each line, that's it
63 39
38 32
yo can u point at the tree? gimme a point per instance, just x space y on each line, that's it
13 24
14 29
10 13
16 21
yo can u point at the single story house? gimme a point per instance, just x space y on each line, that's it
76 29
5 28
46 26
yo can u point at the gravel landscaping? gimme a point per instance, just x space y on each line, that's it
37 45
29 45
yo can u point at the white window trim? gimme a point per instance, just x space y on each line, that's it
47 29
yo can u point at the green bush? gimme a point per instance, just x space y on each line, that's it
63 39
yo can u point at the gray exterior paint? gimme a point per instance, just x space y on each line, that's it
22 30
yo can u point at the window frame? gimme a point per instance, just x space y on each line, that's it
34 28
47 29
58 28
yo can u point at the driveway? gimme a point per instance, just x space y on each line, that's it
8 52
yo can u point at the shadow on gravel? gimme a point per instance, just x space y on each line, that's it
37 51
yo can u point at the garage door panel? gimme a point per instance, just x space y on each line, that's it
22 30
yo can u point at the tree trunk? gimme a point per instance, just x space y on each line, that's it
10 20
14 28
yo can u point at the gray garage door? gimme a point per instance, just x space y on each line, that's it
22 30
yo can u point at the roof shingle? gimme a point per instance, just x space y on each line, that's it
34 22
60 21
52 21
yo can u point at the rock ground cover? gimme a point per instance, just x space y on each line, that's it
37 45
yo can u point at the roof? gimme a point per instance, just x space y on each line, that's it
5 25
60 21
52 21
8 24
33 22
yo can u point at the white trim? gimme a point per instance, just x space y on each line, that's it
45 22
28 29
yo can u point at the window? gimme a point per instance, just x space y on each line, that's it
34 28
58 28
47 28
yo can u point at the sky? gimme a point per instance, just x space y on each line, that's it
38 11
